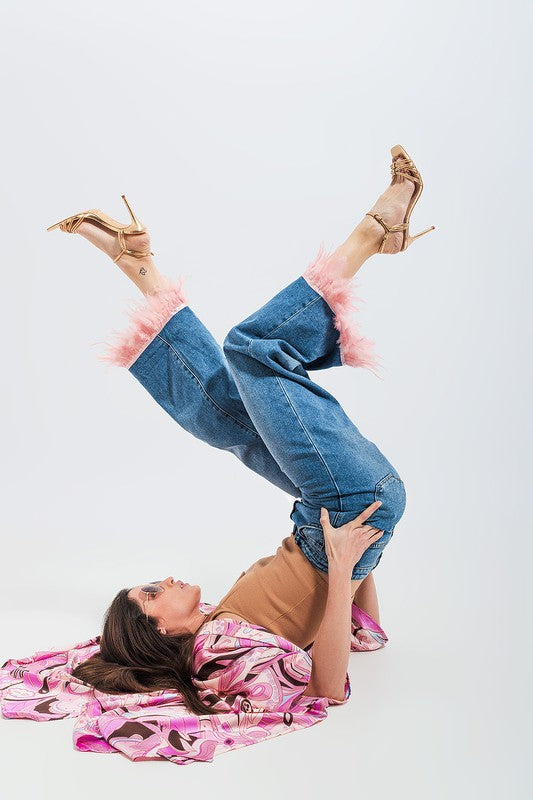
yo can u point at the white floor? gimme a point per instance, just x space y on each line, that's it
427 718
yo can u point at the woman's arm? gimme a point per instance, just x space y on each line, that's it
331 647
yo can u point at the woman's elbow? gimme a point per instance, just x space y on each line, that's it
313 691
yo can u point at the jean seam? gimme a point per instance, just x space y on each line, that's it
204 390
294 314
311 440
382 481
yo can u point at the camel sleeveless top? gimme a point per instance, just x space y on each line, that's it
283 593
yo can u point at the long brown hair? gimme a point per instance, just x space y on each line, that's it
135 657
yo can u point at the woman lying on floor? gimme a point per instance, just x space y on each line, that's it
254 398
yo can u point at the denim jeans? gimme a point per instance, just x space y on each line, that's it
254 397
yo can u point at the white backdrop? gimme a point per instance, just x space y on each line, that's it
244 134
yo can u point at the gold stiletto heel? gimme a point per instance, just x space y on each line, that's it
71 225
403 165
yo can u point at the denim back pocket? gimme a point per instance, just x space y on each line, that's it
310 540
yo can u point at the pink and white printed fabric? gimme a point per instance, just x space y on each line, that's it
253 677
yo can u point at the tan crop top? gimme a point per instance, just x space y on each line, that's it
283 593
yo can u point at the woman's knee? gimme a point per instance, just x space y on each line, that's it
390 490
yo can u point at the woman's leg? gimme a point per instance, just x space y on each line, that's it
302 424
175 357
186 371
366 597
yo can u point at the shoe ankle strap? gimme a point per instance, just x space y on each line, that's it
395 228
125 251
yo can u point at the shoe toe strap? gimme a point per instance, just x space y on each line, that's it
406 168
71 224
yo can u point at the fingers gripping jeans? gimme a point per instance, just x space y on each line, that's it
255 398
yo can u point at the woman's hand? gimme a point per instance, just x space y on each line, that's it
346 545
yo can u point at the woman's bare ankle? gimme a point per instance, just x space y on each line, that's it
360 245
143 273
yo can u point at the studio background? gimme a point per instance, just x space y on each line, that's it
244 135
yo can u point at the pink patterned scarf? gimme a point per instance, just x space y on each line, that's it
255 678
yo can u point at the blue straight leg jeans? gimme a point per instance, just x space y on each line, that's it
254 398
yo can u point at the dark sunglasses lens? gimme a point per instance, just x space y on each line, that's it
151 588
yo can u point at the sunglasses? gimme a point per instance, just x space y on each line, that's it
151 590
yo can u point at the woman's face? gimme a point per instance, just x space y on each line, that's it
176 609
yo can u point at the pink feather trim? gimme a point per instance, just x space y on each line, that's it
324 275
148 317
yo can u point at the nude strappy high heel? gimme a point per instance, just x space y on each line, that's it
71 225
403 165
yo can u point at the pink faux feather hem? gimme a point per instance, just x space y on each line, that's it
324 275
148 317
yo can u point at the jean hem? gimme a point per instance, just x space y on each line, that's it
324 275
147 318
